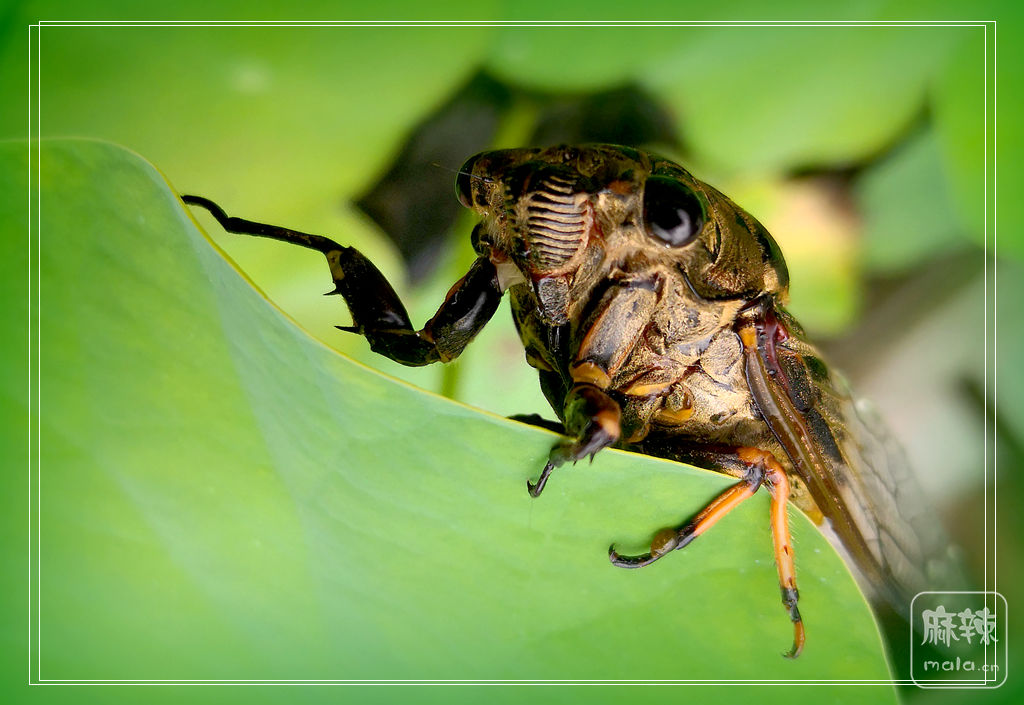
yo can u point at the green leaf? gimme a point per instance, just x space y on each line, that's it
962 133
914 217
224 497
753 99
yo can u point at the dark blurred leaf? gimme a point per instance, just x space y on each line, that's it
626 115
413 202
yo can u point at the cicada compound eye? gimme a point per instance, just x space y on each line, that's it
672 212
464 182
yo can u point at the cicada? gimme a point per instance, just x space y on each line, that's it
652 308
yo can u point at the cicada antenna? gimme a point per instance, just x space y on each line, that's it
485 179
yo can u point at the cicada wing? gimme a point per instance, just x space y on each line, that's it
853 468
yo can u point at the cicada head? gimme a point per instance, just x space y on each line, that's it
562 218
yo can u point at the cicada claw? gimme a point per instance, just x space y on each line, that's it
665 541
798 639
630 561
537 487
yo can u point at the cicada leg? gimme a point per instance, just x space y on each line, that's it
592 419
377 312
761 468
778 488
539 421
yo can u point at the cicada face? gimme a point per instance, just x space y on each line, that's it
562 218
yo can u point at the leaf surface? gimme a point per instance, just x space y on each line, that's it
224 497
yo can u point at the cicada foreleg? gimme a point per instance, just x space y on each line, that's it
377 312
760 468
592 417
540 422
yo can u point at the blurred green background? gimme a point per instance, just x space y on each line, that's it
861 148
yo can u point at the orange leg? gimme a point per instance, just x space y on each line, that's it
762 468
778 487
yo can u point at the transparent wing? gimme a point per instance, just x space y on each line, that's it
854 469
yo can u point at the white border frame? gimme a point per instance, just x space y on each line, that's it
35 382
